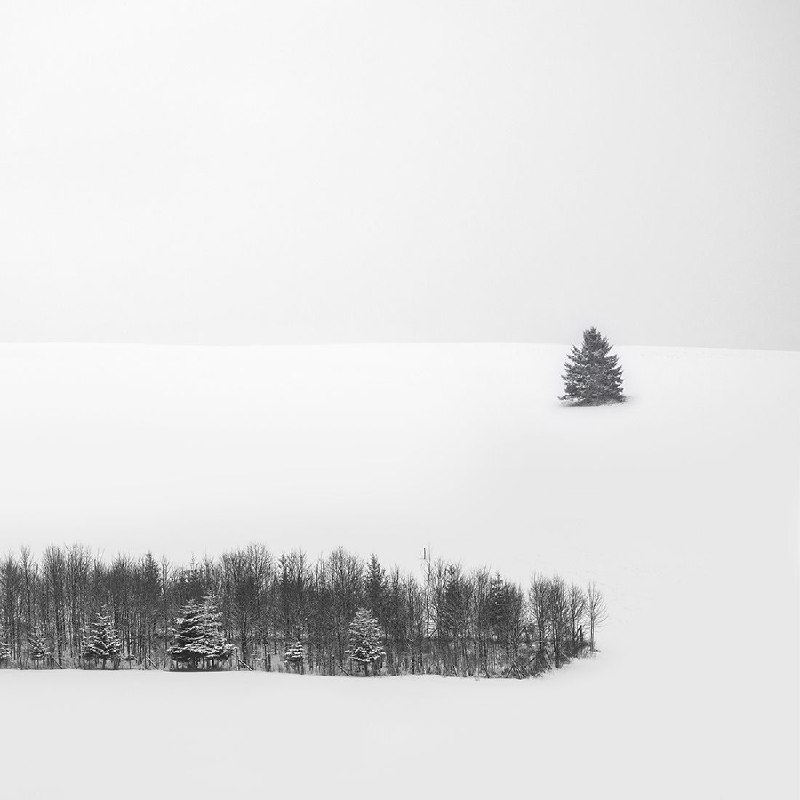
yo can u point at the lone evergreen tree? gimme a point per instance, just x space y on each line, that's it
365 639
294 656
591 374
101 641
198 641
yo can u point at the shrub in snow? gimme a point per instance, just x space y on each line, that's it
591 374
101 642
198 641
365 639
294 656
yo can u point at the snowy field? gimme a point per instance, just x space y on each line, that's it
683 504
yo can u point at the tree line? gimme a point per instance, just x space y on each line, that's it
250 609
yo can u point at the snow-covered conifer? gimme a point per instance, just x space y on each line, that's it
294 656
365 639
198 640
591 374
217 648
37 647
101 641
188 636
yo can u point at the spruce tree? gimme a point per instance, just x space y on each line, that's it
37 647
591 374
216 647
101 642
188 636
294 656
198 640
365 639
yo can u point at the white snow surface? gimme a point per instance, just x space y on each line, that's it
683 504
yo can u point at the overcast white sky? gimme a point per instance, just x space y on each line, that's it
400 171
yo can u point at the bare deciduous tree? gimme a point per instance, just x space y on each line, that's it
596 611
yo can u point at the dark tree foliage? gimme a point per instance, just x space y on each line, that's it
505 608
591 374
334 615
376 588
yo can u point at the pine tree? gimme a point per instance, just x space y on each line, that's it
365 639
591 374
37 647
294 656
198 640
101 642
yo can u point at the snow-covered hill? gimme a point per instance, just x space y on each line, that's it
683 504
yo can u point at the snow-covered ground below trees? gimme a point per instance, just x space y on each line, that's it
682 504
